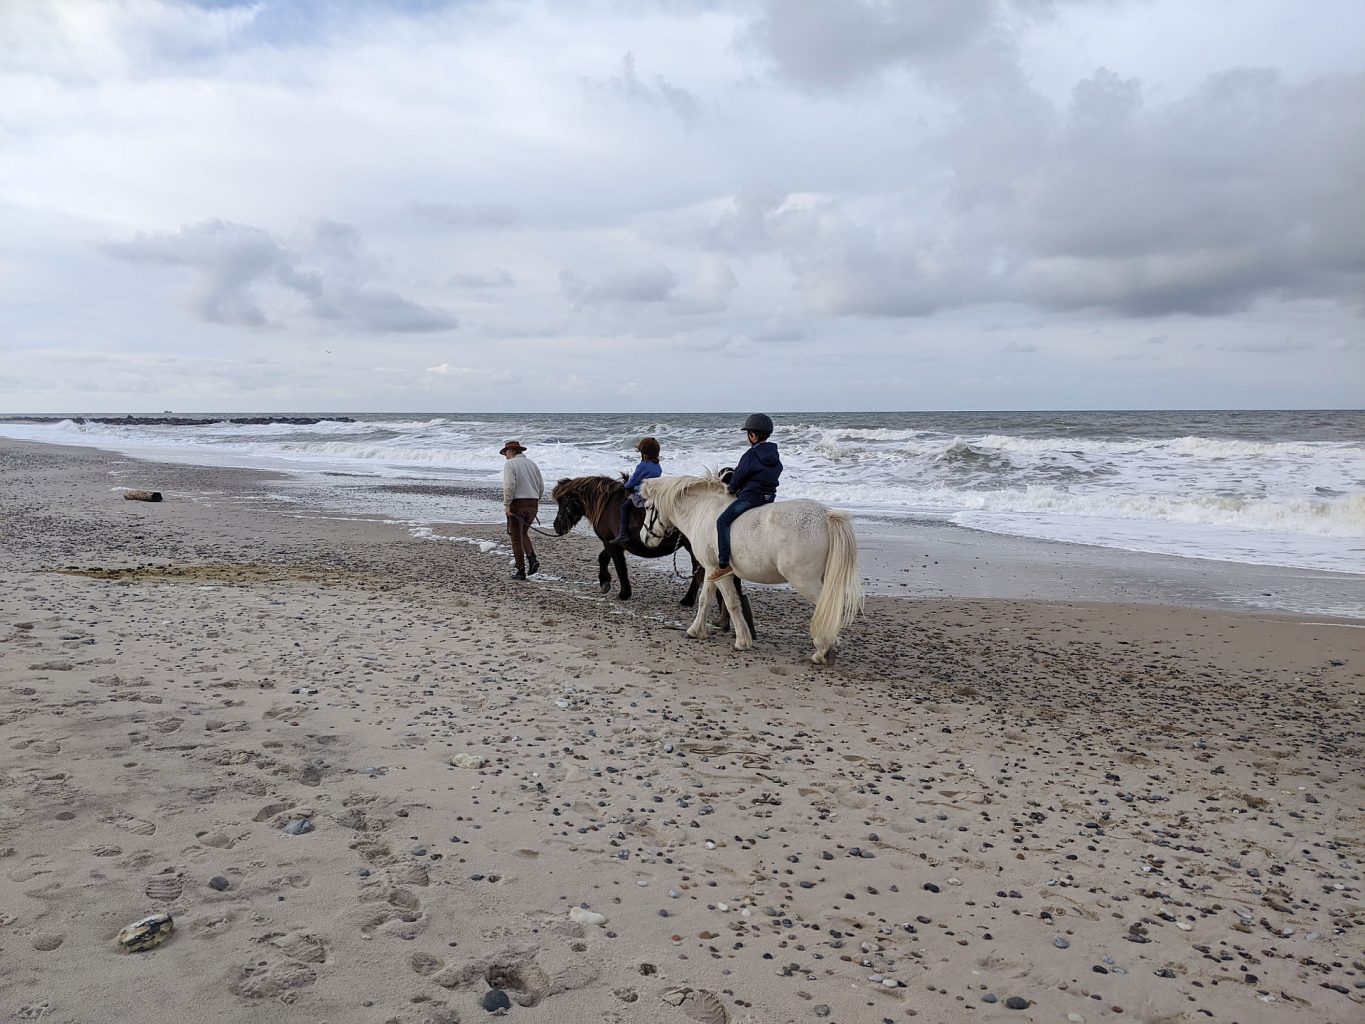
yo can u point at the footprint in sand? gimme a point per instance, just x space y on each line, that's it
137 826
409 873
212 927
397 925
310 775
301 945
31 867
138 859
166 887
516 972
430 1012
525 981
45 942
219 839
292 881
264 979
355 818
699 1004
107 851
168 724
425 963
270 810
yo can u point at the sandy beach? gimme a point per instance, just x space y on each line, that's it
373 779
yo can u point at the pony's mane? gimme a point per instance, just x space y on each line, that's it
589 487
664 491
595 493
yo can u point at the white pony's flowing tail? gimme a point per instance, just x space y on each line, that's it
841 596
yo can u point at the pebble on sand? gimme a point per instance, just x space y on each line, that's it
495 1000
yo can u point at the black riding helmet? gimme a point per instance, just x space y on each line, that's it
759 424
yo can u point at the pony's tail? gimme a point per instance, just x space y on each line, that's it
841 596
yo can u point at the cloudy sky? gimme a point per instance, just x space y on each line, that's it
415 205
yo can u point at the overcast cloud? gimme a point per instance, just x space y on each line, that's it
826 204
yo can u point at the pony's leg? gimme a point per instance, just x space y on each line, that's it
808 586
743 638
698 628
603 576
698 575
618 557
744 605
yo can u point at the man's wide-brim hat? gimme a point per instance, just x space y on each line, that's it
512 446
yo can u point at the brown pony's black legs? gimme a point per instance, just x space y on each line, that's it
618 558
603 576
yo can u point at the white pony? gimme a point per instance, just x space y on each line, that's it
799 542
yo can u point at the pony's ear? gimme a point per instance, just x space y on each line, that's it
725 473
624 477
562 481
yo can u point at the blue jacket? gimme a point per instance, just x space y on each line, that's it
646 470
756 475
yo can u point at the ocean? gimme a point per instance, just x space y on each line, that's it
1281 488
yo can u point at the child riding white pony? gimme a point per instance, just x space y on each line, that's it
798 542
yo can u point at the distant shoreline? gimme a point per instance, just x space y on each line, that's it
180 421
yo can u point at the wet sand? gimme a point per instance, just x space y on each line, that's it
1092 811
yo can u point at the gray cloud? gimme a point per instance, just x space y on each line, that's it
1246 190
230 259
238 266
495 278
833 44
663 94
638 285
907 178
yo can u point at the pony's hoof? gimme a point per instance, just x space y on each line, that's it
606 587
694 633
623 596
743 645
818 658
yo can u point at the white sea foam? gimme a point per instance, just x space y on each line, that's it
1244 494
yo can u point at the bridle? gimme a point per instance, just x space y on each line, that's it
570 512
651 521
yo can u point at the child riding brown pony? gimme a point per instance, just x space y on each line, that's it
598 498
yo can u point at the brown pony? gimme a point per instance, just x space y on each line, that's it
598 498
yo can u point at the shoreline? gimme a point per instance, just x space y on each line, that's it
909 559
1102 811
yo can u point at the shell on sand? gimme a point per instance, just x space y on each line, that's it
699 1004
588 917
150 931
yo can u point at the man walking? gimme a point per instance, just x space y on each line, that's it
522 489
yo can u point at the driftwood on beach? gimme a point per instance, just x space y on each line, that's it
142 495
